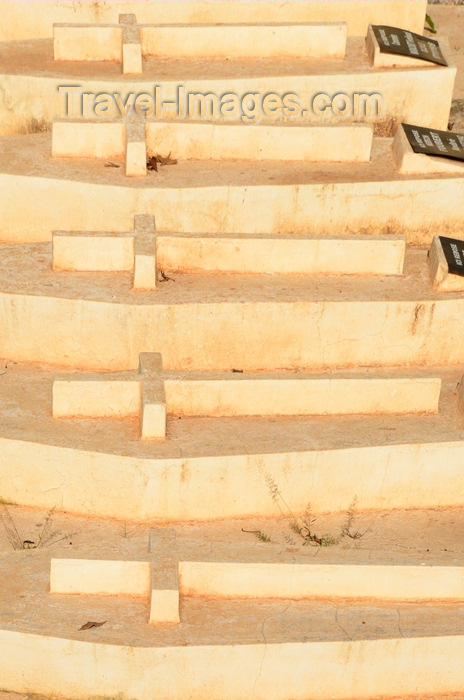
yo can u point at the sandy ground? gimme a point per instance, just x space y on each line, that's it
418 537
434 536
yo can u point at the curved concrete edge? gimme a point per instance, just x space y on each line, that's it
377 95
412 207
23 19
345 669
394 476
100 335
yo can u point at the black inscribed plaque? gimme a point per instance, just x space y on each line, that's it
404 43
454 254
434 142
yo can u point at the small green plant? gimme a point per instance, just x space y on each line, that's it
262 537
431 24
47 536
347 530
303 526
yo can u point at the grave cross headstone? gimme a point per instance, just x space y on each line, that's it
434 142
400 41
454 254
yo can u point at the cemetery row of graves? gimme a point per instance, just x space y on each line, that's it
231 396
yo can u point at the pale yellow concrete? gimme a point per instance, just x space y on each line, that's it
439 272
82 251
205 141
311 255
25 19
136 151
86 43
300 581
145 268
390 60
99 577
414 475
153 408
164 607
245 41
301 396
213 322
131 56
235 396
76 139
153 418
258 255
164 602
208 335
410 163
145 272
73 42
413 206
19 108
339 669
110 252
94 397
104 396
131 46
102 139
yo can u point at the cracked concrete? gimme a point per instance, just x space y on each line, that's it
210 469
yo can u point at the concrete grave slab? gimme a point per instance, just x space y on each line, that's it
25 20
439 272
410 163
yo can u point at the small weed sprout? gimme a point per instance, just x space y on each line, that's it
127 531
47 536
261 536
347 529
430 24
303 526
35 126
10 528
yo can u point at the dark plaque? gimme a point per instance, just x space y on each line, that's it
433 142
404 43
454 254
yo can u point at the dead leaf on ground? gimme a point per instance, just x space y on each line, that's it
152 163
89 625
162 277
166 161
